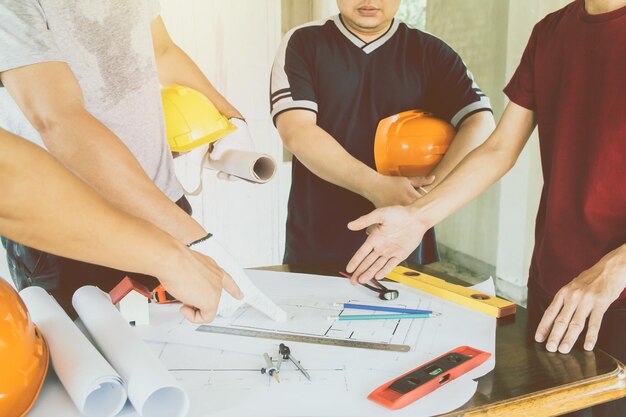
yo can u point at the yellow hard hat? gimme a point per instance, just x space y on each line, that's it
24 355
191 120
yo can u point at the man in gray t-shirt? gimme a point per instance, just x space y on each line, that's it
81 78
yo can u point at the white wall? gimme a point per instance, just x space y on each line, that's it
476 30
234 42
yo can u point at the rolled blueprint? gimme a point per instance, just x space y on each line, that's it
92 384
152 390
251 166
251 294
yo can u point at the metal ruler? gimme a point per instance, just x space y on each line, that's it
303 338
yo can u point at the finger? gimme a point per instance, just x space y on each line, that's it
223 176
574 329
197 315
364 266
560 325
548 318
593 329
358 257
421 181
385 270
365 221
231 287
373 270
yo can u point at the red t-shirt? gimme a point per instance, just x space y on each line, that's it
573 76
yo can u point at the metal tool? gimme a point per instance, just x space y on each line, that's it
271 370
303 339
383 292
285 353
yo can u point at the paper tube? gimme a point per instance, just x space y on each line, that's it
251 166
152 390
92 384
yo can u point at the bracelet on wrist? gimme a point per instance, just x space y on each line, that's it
202 239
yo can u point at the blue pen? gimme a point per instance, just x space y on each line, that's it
382 308
383 317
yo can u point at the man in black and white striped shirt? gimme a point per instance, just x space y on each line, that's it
332 82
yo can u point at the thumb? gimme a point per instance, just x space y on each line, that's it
365 221
421 181
231 287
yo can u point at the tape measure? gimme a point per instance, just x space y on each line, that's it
303 338
423 380
459 294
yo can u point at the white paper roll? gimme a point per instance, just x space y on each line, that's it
251 166
251 294
92 384
152 390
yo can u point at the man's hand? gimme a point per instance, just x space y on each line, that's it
197 281
396 191
239 140
588 296
396 234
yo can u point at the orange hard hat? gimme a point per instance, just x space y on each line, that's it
23 355
411 143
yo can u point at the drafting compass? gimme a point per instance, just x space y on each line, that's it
271 370
284 353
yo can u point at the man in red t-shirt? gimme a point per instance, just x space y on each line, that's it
571 84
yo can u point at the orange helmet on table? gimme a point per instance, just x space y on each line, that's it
24 355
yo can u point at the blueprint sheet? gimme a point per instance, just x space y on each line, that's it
221 373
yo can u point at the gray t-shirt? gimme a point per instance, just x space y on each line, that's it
108 46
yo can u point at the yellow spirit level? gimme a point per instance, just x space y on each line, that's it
459 294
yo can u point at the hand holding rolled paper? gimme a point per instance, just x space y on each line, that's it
234 157
251 166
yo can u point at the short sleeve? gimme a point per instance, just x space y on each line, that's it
154 9
291 84
25 38
453 95
521 88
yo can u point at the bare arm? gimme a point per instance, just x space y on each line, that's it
175 67
327 159
46 207
472 133
481 168
401 228
51 99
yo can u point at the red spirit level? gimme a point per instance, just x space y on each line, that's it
415 384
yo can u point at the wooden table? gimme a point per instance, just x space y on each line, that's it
527 379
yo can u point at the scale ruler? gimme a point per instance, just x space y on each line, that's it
303 338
